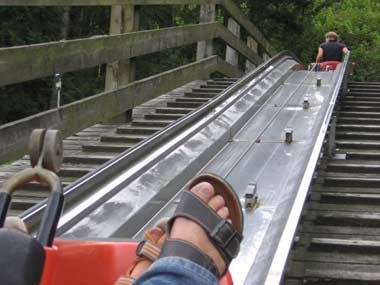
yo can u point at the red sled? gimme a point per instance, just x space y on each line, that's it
83 262
329 65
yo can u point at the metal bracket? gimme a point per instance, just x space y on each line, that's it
306 102
319 82
250 197
58 88
288 135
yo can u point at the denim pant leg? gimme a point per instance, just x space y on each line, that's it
176 271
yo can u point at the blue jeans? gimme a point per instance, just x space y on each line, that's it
176 271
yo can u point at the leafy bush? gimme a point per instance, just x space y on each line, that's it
357 23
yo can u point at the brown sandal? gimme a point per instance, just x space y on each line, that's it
225 236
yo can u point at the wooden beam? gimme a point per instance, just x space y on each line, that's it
19 64
78 115
244 21
230 39
124 19
229 5
22 63
206 15
232 56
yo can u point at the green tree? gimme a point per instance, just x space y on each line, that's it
357 23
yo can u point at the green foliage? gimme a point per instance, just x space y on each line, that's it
296 25
155 17
357 23
28 25
280 21
300 25
88 21
20 100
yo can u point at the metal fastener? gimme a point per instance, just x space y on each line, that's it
250 197
306 103
58 88
319 82
288 135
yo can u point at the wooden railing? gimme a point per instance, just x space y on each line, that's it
23 63
229 5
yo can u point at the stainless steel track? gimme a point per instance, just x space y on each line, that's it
338 239
256 153
94 146
238 135
83 187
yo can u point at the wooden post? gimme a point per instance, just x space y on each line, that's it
232 56
207 14
65 22
253 45
124 19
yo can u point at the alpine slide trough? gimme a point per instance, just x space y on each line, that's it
300 148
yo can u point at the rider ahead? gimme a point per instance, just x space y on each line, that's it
332 49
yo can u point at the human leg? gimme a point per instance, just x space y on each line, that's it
193 254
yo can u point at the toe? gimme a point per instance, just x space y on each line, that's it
203 190
154 234
223 212
216 202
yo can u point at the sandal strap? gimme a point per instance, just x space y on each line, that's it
148 249
181 248
221 233
125 280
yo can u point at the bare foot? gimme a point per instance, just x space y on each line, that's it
185 229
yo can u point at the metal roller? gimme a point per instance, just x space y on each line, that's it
36 143
52 151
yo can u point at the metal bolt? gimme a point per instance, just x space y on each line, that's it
319 82
58 88
250 197
288 135
306 103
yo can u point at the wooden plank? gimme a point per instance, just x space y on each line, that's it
22 63
339 230
333 270
353 198
343 206
232 56
124 19
101 107
354 243
302 254
207 15
343 275
244 21
229 5
18 64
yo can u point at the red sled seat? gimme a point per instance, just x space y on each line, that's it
82 262
329 65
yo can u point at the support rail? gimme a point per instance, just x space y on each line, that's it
229 5
23 63
75 116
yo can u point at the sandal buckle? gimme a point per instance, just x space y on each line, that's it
139 248
223 233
